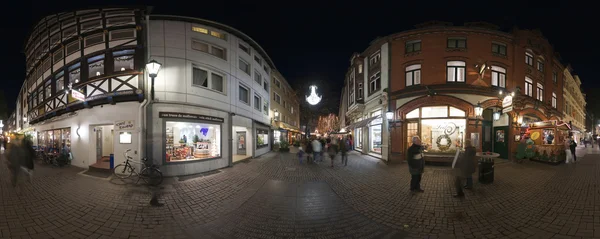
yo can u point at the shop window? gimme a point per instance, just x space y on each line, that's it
123 60
244 94
413 114
375 133
257 77
442 135
498 76
456 71
74 74
266 107
257 102
528 86
412 129
262 138
186 141
96 66
358 138
454 112
434 112
244 66
413 75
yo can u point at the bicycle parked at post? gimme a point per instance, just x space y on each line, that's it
150 174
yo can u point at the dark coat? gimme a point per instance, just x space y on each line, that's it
466 163
416 162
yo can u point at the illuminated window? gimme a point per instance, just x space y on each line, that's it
498 76
95 66
528 86
529 58
200 30
218 35
456 71
413 75
123 60
540 92
553 99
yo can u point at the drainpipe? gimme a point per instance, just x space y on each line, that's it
142 113
230 137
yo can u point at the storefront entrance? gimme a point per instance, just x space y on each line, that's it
104 145
241 142
501 141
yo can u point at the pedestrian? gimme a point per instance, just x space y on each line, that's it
309 151
416 164
28 157
300 154
569 155
464 168
331 150
573 146
316 148
344 147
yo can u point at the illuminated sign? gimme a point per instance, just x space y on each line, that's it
77 95
507 101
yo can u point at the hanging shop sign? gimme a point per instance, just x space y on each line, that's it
124 124
77 95
189 116
507 109
507 101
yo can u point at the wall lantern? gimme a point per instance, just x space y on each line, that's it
496 115
478 110
276 114
389 115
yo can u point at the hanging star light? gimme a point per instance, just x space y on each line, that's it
313 98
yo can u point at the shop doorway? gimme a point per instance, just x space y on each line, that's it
487 136
241 143
501 141
104 146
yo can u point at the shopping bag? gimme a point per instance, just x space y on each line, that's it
569 156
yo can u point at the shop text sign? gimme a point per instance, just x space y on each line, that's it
507 101
189 116
77 95
124 124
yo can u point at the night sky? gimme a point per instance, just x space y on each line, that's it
314 41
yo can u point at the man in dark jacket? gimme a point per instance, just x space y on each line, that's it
464 168
573 146
416 164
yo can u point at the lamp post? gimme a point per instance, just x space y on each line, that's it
152 67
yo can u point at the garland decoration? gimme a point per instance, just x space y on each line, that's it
443 147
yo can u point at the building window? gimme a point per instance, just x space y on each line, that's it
540 92
244 66
360 91
540 65
257 102
47 64
95 66
120 21
122 34
266 68
360 68
54 39
60 82
257 77
258 60
529 58
188 141
208 48
58 56
73 48
498 76
456 71
40 95
276 98
244 48
457 42
94 39
48 89
553 99
413 46
413 75
375 83
218 52
244 94
200 30
351 89
499 49
123 60
277 83
218 35
528 86
74 74
375 58
68 32
201 79
200 46
262 138
375 133
265 107
554 77
266 86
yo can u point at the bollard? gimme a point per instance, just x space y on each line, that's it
112 161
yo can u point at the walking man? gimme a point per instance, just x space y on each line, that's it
344 147
316 148
416 164
573 146
464 169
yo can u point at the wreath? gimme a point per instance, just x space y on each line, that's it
443 147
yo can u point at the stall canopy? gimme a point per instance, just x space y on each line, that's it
361 123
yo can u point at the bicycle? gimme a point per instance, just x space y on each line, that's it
150 174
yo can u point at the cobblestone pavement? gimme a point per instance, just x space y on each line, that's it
275 197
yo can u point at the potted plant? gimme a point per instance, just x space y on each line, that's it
284 146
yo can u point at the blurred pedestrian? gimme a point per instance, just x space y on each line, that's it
416 164
316 148
300 154
344 147
331 150
464 169
573 146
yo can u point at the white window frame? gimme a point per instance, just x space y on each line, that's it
375 58
498 76
456 65
240 45
249 103
351 89
277 82
248 64
373 83
412 45
529 58
540 92
210 80
528 86
257 77
413 75
554 99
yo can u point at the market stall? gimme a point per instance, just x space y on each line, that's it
544 142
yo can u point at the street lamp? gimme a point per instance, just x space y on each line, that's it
276 114
152 67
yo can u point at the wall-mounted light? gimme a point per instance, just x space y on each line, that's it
496 115
389 115
478 113
500 92
520 119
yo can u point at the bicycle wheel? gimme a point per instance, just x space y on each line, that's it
152 176
122 171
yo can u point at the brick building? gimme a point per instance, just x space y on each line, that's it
439 73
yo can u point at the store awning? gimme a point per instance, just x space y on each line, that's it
362 123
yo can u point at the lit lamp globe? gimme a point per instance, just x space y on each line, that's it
389 115
478 110
313 98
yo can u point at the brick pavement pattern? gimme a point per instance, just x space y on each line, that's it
275 197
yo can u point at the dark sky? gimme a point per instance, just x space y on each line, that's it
314 40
